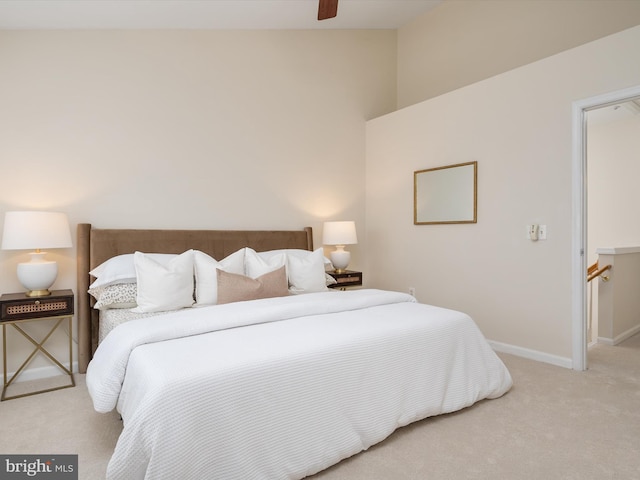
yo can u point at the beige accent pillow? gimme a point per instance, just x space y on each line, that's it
238 288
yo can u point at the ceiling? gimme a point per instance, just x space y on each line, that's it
206 14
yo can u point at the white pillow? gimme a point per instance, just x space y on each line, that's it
164 287
121 269
306 273
290 252
256 266
207 277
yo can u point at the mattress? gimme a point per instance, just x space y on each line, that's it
111 318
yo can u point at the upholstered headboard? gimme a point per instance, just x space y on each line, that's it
97 245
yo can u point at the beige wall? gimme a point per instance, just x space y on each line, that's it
463 41
619 303
518 126
614 169
189 129
613 199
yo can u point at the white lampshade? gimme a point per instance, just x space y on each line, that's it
339 234
36 230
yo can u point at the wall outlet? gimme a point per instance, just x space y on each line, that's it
412 291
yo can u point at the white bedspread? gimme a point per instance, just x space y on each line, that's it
283 388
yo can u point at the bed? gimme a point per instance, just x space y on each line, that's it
94 246
279 387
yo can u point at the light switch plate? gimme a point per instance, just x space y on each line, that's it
542 232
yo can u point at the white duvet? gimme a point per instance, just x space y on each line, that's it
282 388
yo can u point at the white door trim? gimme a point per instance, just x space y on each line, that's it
579 218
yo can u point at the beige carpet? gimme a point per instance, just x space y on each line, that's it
554 424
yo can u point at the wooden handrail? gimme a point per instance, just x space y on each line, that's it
592 268
598 272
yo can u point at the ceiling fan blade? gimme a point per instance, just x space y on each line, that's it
327 9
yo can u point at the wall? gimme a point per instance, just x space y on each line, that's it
518 126
189 129
612 145
463 41
613 170
618 300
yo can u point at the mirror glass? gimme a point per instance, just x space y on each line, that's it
445 194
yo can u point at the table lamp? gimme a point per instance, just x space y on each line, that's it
36 230
339 234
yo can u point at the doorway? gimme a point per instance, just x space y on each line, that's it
579 217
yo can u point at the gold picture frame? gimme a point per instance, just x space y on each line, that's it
447 194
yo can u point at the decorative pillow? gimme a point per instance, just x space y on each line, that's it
307 274
121 269
290 252
207 278
329 280
238 288
256 266
164 287
119 295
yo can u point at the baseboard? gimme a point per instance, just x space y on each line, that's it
52 370
620 338
531 354
41 372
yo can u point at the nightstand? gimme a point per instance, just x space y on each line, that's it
17 309
347 278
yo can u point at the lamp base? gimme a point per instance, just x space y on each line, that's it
37 275
340 258
38 293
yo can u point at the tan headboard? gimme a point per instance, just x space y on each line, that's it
97 245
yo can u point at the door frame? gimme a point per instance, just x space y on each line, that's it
579 216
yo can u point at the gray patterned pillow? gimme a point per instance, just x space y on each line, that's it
119 295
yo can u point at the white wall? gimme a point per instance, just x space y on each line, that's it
618 299
613 197
613 151
189 129
518 126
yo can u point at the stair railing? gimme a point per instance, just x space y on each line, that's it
593 271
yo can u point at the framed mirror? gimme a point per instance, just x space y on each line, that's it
445 194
